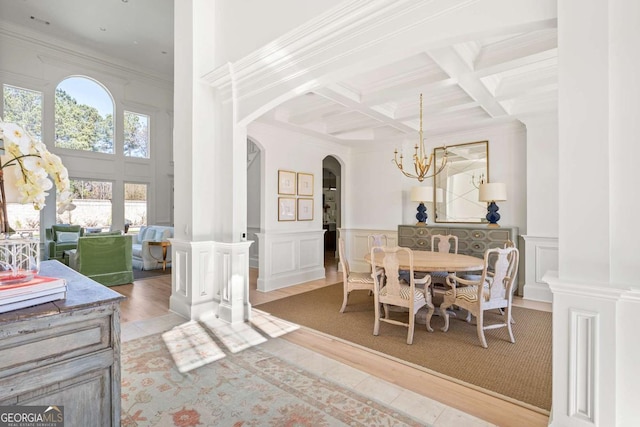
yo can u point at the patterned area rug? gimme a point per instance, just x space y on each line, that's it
220 388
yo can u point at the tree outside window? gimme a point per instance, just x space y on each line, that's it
83 116
136 135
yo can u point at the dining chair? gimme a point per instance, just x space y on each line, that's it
491 291
351 281
396 292
442 243
377 240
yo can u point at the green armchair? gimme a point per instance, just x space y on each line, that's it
62 238
104 258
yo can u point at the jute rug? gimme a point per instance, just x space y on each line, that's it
248 388
521 372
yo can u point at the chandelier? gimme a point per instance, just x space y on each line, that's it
421 162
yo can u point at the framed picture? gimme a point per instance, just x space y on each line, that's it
286 209
305 184
286 182
305 209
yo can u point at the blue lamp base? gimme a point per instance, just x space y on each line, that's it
422 216
492 214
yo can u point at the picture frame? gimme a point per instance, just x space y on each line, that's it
305 209
305 184
286 182
286 209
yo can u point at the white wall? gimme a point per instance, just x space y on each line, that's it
379 193
31 63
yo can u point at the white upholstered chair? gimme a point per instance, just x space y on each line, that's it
397 293
351 281
491 291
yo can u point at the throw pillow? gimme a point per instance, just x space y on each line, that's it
68 236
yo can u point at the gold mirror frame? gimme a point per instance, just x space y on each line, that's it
455 189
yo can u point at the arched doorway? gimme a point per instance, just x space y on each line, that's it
331 207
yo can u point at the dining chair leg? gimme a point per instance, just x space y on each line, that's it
344 301
412 325
376 311
430 309
513 340
480 328
444 313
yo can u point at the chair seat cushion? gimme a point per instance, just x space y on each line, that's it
361 278
405 293
469 293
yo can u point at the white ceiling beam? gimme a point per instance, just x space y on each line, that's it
406 90
458 69
352 101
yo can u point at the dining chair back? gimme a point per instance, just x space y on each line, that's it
442 243
493 290
396 291
351 281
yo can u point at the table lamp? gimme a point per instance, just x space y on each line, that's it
493 192
422 194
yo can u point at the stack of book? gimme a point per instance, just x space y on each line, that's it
38 290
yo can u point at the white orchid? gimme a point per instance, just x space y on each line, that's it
32 165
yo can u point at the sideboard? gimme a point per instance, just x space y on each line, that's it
473 240
66 352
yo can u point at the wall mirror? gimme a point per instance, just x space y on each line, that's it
456 187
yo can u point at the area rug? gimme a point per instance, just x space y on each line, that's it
519 372
248 388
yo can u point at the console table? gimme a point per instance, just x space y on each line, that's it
473 240
66 352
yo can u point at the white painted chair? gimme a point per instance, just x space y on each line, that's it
442 243
377 240
352 281
396 292
491 291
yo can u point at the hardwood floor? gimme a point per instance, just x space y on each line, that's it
148 298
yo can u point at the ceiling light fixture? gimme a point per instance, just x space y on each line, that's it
40 21
421 162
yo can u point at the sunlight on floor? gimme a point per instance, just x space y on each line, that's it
191 346
271 325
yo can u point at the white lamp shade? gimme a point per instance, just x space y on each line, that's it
422 194
493 192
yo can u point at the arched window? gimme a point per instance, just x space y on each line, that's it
84 116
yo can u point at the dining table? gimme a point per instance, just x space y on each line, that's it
428 262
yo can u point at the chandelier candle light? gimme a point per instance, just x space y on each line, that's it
421 162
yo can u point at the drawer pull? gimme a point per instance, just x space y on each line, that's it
476 235
476 246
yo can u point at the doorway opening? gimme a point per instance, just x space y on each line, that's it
331 208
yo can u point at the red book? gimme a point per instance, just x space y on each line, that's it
35 285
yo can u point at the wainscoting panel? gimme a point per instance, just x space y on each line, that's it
541 256
356 242
582 349
290 258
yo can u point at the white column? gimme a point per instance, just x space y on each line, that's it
210 176
595 293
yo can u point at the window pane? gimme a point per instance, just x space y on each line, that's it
83 116
136 135
93 205
24 107
135 206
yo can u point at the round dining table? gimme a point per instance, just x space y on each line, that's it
428 261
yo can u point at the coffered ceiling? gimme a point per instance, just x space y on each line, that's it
478 82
